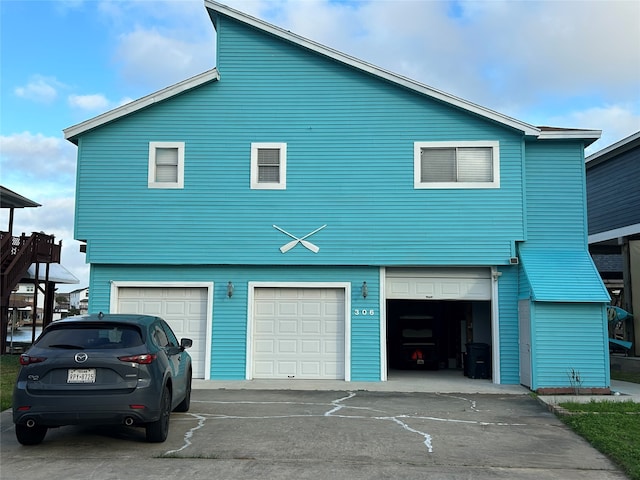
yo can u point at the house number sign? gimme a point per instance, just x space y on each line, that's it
364 312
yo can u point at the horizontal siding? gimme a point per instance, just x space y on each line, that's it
229 328
569 336
350 165
509 334
555 195
613 192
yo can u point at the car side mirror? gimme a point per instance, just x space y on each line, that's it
185 343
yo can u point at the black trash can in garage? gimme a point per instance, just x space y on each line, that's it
477 360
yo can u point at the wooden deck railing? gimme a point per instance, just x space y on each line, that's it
18 253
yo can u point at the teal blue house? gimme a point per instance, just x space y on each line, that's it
302 214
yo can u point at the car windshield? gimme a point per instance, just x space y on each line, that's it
91 337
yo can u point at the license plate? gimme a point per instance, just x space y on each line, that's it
81 375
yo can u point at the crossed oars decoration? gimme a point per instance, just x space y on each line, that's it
305 243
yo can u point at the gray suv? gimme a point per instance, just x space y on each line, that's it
104 370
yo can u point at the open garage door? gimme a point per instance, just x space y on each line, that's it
299 333
438 283
184 309
433 313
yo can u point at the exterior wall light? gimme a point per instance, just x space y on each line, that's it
365 290
229 289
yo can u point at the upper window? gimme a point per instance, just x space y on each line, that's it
456 165
166 164
269 166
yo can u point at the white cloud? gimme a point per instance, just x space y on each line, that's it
615 121
159 43
89 102
26 158
156 59
39 89
42 169
125 100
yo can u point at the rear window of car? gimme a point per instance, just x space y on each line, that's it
91 337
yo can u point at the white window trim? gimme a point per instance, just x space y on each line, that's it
418 146
255 185
152 165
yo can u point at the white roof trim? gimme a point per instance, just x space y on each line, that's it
526 128
615 233
200 79
570 134
622 143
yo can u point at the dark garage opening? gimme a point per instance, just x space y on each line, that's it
433 334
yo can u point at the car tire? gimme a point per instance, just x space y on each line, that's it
30 435
158 431
183 406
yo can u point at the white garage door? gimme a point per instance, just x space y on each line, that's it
184 309
298 333
438 283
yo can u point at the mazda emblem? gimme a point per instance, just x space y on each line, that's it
81 357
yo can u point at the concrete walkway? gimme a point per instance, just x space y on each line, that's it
443 381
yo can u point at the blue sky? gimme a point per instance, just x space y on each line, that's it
572 64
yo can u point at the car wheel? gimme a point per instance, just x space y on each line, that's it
30 435
159 430
183 406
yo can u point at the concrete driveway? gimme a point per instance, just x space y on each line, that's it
345 434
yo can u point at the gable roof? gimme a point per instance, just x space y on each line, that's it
72 133
542 133
215 9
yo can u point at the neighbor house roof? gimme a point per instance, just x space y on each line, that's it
11 199
215 9
632 141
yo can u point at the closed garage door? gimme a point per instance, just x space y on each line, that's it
184 309
298 333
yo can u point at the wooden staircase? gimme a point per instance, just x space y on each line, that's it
16 256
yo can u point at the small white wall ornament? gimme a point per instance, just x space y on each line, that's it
296 240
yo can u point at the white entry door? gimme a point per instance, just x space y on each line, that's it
524 321
184 309
299 333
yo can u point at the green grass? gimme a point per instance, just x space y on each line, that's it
602 406
613 428
9 366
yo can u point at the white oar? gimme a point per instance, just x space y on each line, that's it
288 246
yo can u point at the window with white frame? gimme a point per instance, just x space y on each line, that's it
166 165
456 164
269 166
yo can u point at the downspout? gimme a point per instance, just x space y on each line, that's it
495 325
